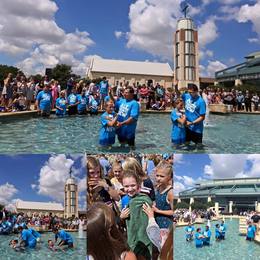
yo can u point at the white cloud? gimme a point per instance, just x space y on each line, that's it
179 178
30 29
210 69
255 170
188 181
253 40
118 34
225 165
250 13
7 191
178 187
178 158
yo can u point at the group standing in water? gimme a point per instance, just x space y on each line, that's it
139 210
202 237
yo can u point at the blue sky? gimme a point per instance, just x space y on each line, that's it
72 32
193 168
39 177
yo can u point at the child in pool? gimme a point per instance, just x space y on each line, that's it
107 133
136 218
178 120
52 246
15 245
164 198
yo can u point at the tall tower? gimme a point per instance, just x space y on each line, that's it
186 57
71 198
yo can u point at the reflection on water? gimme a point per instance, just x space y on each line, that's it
223 134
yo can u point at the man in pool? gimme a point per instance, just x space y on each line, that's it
199 238
44 101
222 229
128 113
189 230
207 236
65 238
195 111
28 240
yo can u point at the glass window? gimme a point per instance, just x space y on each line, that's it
189 36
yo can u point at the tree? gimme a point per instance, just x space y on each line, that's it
182 205
198 205
5 69
1 207
62 73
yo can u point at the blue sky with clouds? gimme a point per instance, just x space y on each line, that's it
37 36
193 168
39 177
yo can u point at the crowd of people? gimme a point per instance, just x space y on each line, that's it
130 206
240 101
29 230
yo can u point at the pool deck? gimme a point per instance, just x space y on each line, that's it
167 111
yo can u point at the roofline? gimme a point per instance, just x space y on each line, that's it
133 73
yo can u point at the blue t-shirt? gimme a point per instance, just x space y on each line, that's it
83 100
127 109
190 230
194 108
104 88
45 100
72 99
107 134
93 103
198 242
28 237
34 233
178 130
64 236
217 233
251 231
207 235
61 102
223 228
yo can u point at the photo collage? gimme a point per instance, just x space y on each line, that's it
129 130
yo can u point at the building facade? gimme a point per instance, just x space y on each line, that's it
186 57
233 195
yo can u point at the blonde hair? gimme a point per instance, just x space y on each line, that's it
132 174
132 164
166 167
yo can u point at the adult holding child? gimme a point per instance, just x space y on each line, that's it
195 111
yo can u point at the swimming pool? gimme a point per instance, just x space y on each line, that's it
236 133
234 247
41 251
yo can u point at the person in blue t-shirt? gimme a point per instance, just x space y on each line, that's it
127 117
72 102
28 240
44 101
195 111
207 236
36 234
222 229
107 133
65 238
61 104
199 238
217 232
178 120
251 230
83 102
103 89
93 104
189 230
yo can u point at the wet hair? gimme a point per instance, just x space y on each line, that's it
166 167
217 225
178 101
132 174
132 164
193 87
198 229
49 240
105 241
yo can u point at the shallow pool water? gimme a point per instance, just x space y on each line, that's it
234 247
42 252
235 133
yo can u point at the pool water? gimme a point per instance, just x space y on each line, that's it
42 252
234 246
237 133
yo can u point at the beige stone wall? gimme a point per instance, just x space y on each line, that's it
69 209
41 212
165 81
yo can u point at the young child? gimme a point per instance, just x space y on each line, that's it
15 245
164 198
107 133
52 246
19 103
136 218
117 181
178 120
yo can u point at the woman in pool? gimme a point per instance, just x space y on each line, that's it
99 188
105 241
199 238
136 218
61 104
83 100
164 198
